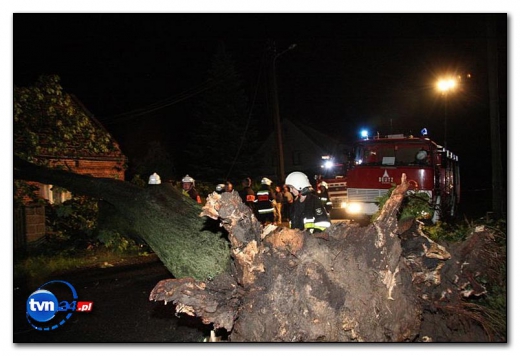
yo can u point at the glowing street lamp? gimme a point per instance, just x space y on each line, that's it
445 86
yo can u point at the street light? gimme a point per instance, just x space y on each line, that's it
276 112
445 86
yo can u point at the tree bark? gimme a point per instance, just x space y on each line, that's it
159 214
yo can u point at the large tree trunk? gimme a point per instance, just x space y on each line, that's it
288 285
372 284
159 214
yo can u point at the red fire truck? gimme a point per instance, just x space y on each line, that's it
334 173
379 162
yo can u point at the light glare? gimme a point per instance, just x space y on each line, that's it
446 84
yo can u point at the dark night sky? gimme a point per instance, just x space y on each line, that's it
348 71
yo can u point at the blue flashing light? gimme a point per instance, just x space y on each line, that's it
424 132
364 133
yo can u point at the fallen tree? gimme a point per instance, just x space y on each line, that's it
158 214
375 284
384 282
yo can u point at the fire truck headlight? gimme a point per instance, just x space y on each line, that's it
328 165
354 208
343 205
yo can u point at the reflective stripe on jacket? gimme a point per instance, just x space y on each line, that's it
264 204
309 215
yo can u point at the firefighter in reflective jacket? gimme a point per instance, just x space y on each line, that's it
264 202
307 210
247 194
188 189
323 193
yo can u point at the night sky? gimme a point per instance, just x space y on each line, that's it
347 71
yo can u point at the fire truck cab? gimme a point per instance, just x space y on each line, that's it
379 162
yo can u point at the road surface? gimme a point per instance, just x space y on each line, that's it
121 311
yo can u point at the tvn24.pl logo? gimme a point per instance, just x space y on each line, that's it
50 307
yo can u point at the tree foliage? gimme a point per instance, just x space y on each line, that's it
223 144
156 160
50 123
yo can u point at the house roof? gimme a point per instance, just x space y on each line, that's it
77 147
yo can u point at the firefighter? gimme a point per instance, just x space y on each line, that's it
264 202
323 193
247 194
307 210
188 189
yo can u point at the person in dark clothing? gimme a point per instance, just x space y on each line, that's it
307 212
264 202
323 193
188 189
247 194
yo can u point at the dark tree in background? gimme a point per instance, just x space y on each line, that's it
223 138
156 160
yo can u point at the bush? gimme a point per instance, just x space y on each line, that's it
414 205
73 222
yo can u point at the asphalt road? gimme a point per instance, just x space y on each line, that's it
121 312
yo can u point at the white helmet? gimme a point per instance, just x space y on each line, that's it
324 184
154 179
298 180
266 181
220 188
188 179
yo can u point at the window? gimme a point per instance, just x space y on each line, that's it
55 195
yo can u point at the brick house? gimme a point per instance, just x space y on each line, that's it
29 219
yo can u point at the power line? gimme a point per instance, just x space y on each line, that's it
172 100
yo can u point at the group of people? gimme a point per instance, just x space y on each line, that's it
297 201
269 205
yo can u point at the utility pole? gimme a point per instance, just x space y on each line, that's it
494 116
276 109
